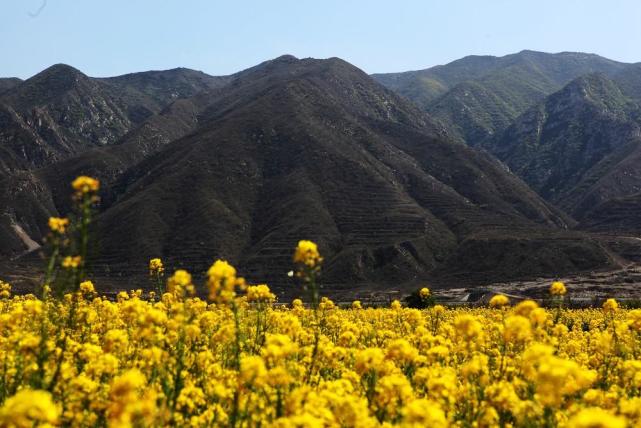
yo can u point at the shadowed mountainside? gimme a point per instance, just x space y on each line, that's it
7 83
316 149
629 80
61 122
303 149
620 215
61 112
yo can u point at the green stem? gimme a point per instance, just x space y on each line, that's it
233 420
84 239
63 345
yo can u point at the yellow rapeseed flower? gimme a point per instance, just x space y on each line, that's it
5 290
222 282
156 266
525 307
253 371
84 185
260 294
29 408
179 284
468 326
610 305
596 418
499 300
87 287
558 288
424 413
58 225
370 360
71 262
517 329
307 254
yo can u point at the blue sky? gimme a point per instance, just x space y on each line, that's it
110 37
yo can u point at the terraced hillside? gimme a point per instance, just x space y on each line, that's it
316 149
294 149
621 215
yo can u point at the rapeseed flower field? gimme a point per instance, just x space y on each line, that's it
69 357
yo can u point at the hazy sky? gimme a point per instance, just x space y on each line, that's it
110 37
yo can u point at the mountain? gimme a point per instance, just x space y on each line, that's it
7 83
61 111
568 124
425 86
577 148
160 88
316 149
60 122
629 80
477 97
294 149
617 215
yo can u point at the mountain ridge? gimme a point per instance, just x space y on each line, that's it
235 166
567 144
515 82
314 122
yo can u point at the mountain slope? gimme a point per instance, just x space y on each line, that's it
7 83
160 88
61 122
629 80
478 97
570 147
617 215
29 160
61 111
316 149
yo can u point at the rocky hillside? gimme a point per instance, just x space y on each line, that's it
294 149
617 215
63 120
629 80
61 111
576 147
7 83
568 124
316 149
478 97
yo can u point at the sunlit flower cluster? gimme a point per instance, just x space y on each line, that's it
82 361
260 293
558 289
83 185
307 254
71 262
156 266
222 282
58 225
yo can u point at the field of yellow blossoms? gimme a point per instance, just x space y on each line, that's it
69 357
